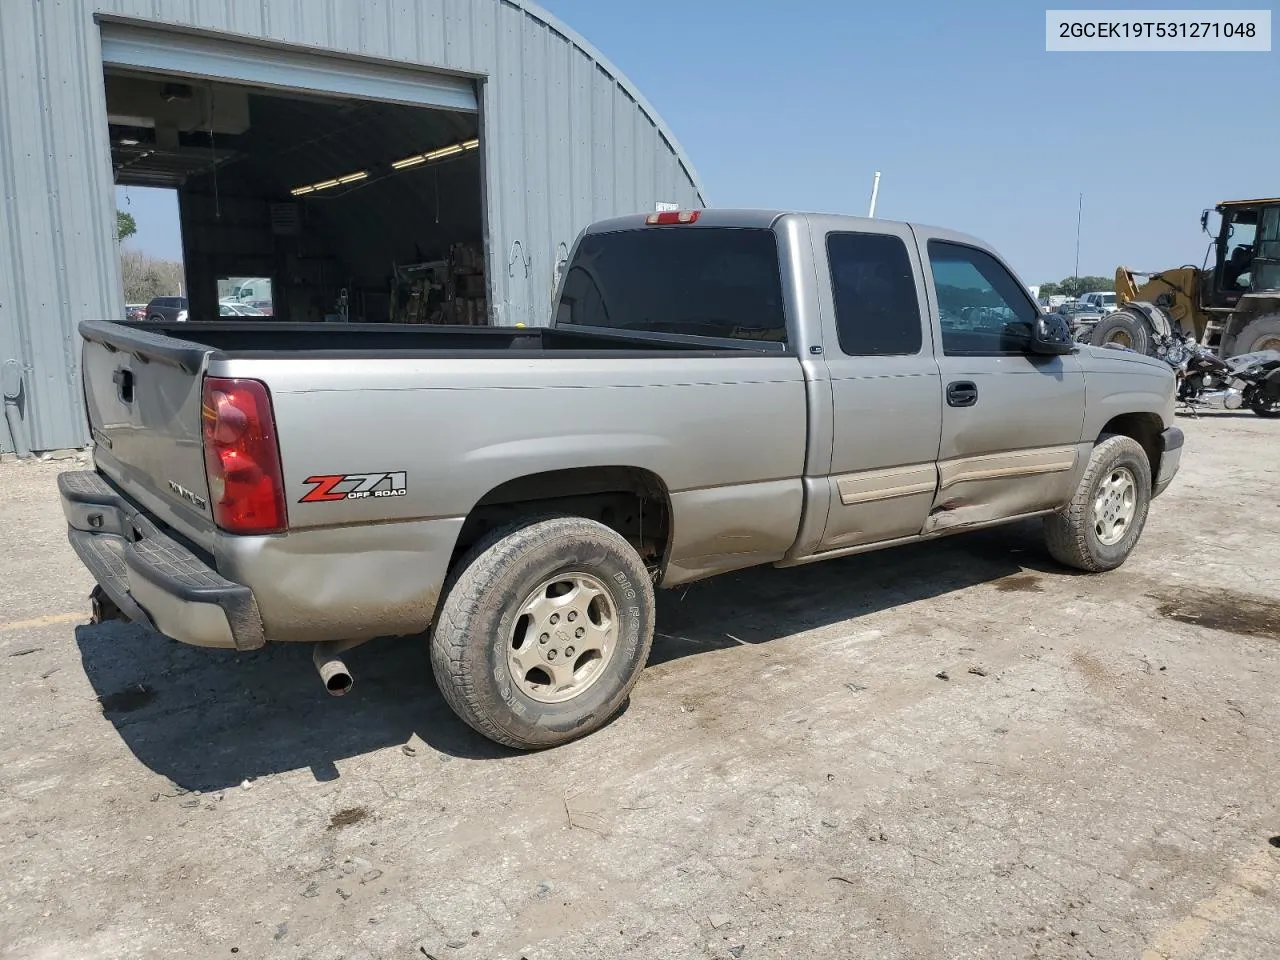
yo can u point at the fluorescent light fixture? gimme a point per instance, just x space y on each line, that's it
330 184
128 143
452 150
442 153
449 151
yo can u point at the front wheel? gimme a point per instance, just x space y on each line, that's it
1101 525
544 632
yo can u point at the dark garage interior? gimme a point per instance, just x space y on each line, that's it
355 210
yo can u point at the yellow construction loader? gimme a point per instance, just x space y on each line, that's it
1233 305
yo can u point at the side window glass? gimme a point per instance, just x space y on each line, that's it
1238 262
1267 264
982 309
877 312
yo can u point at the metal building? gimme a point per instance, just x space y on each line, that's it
326 143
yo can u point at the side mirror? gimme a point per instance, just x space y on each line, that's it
1204 221
1051 335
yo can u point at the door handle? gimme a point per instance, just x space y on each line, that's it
123 380
962 393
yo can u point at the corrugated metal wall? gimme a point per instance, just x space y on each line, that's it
567 141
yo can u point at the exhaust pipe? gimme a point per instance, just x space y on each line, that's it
333 672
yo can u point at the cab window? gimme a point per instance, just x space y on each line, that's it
981 306
1267 261
877 311
1237 261
717 282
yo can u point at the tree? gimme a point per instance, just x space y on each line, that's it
146 277
1077 286
126 226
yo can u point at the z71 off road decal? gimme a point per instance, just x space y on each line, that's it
355 486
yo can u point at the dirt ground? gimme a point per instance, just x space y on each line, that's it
946 751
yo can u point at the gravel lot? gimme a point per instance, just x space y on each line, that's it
955 750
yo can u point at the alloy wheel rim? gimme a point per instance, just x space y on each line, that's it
1267 342
1114 506
1122 338
564 636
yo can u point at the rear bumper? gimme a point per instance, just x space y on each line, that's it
154 579
1170 459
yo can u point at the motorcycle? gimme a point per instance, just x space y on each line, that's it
1250 380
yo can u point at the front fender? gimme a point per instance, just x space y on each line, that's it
1124 384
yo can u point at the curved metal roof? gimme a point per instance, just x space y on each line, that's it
555 23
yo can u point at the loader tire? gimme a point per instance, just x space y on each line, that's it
1124 329
1260 334
545 629
1101 525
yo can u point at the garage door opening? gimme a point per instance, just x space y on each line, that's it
308 206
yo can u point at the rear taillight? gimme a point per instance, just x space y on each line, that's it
668 217
241 458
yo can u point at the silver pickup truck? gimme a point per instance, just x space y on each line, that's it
717 389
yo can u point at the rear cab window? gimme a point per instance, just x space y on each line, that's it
874 290
721 283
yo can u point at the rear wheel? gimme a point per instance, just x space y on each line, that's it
1264 406
1101 525
544 632
1124 329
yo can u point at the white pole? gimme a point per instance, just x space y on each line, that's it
875 192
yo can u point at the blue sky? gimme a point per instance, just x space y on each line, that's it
973 124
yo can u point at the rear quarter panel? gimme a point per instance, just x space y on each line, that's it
726 434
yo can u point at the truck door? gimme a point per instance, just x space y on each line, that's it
885 384
1011 420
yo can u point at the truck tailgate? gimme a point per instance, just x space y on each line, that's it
143 395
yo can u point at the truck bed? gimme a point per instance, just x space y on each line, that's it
254 339
451 415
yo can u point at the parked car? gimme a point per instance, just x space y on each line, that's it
230 308
167 310
718 389
135 311
262 306
1082 316
1103 301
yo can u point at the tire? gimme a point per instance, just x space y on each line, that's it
1260 334
1264 407
1072 534
155 318
483 625
1125 328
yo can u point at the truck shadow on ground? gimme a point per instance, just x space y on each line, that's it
208 719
